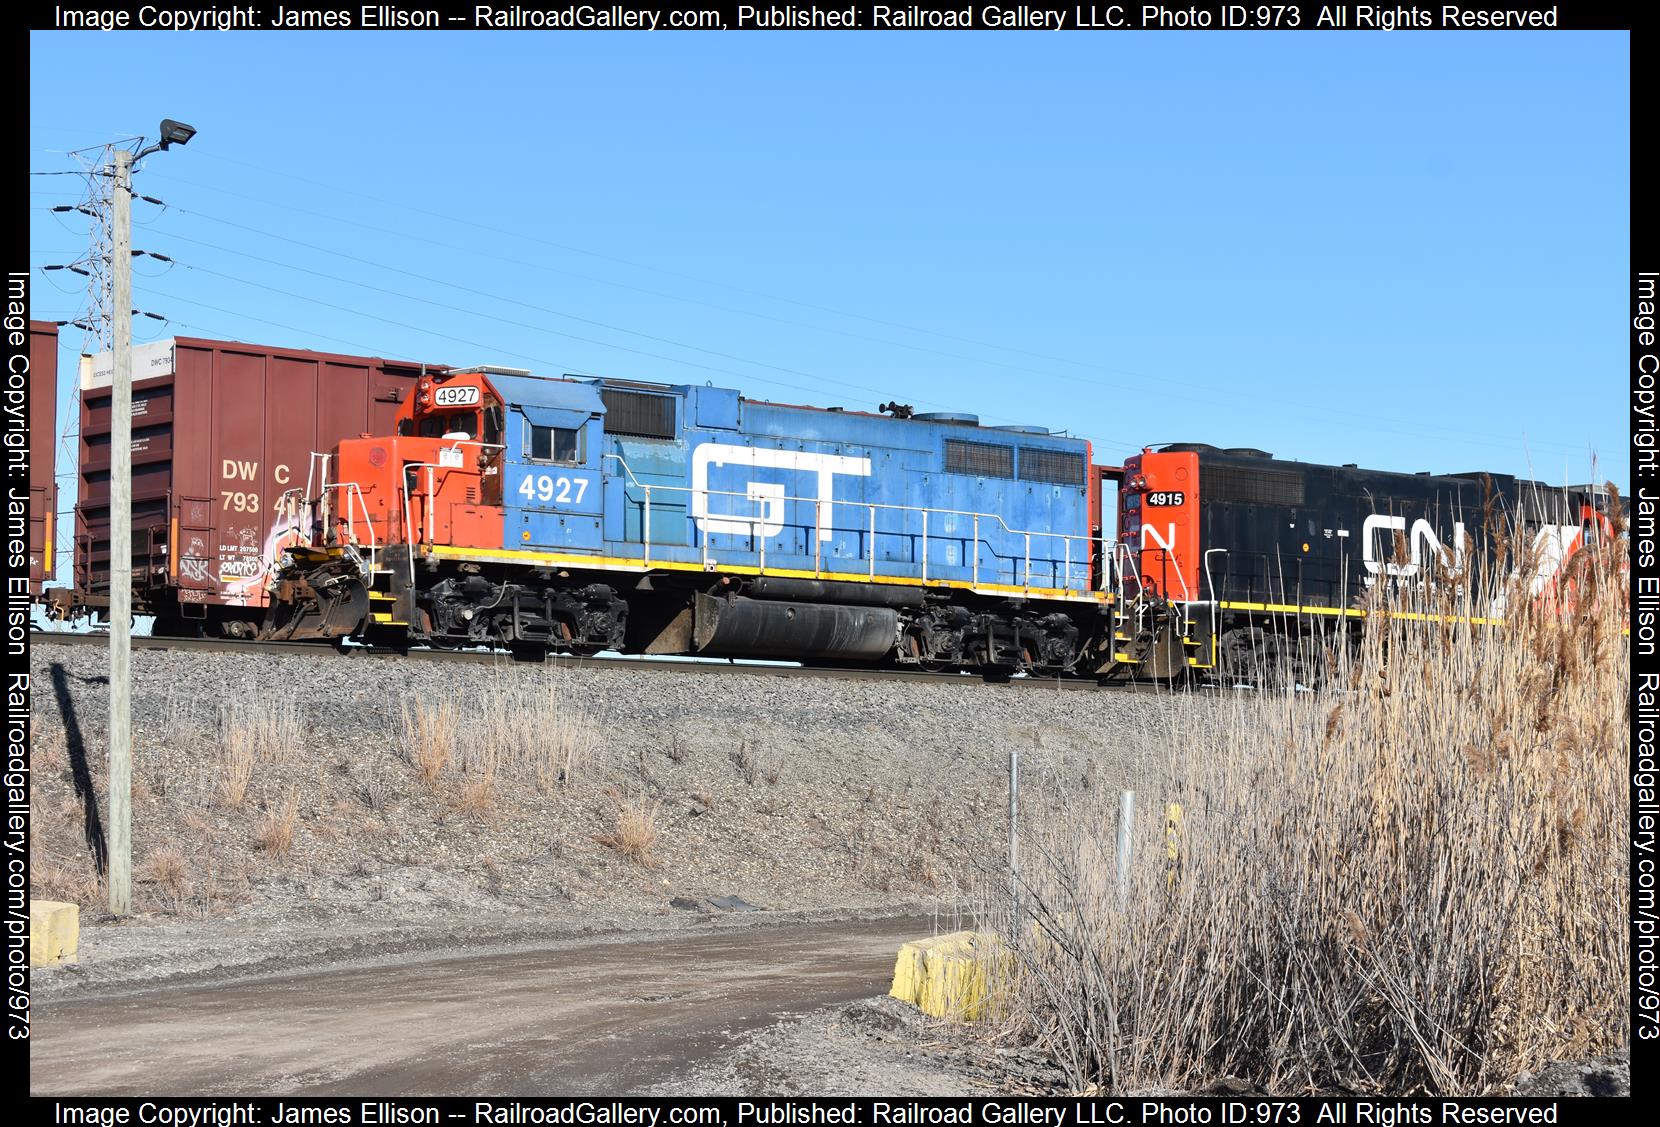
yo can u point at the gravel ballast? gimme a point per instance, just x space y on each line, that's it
798 796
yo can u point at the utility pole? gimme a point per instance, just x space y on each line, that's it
121 516
121 545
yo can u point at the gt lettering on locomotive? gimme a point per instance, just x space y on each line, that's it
770 497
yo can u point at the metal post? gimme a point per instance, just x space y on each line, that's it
1126 824
645 532
121 546
1014 831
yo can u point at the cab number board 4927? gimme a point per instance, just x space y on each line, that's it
1166 499
454 396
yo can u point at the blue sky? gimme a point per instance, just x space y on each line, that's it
1406 251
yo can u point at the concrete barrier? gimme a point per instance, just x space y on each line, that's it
54 932
953 976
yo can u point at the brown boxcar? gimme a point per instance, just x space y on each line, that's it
43 452
221 432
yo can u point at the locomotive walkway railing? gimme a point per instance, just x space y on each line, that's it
758 522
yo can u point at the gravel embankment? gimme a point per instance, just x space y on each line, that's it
798 796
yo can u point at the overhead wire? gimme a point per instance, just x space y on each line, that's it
1416 426
528 305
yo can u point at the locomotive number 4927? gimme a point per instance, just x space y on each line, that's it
559 490
1166 499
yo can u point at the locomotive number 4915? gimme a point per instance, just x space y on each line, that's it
1166 499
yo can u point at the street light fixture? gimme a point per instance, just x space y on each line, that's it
172 133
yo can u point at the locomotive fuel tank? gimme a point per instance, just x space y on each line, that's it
741 627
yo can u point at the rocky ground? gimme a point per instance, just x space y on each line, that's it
294 812
577 799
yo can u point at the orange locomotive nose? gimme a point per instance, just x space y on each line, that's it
1159 522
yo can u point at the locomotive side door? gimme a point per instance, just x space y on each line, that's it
551 480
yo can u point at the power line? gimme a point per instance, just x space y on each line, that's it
532 265
553 364
512 301
1415 426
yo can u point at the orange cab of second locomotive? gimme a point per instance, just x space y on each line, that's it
1158 505
437 480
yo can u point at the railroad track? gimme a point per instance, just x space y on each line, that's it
706 666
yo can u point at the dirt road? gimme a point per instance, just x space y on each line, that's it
590 1016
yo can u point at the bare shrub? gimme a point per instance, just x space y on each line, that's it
275 835
429 735
744 761
1413 885
676 751
373 794
635 832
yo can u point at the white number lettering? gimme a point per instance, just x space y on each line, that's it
455 396
553 490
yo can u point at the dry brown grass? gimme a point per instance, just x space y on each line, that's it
636 832
477 796
275 835
1413 882
537 724
48 753
71 882
236 765
268 724
168 868
430 733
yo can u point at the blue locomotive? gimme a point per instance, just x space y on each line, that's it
577 515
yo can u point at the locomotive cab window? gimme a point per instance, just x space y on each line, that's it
461 422
554 444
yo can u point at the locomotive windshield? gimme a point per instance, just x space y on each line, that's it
460 422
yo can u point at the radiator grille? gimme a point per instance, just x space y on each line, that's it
1051 465
638 413
978 459
1251 486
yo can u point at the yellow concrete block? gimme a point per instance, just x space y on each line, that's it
54 932
908 971
952 976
